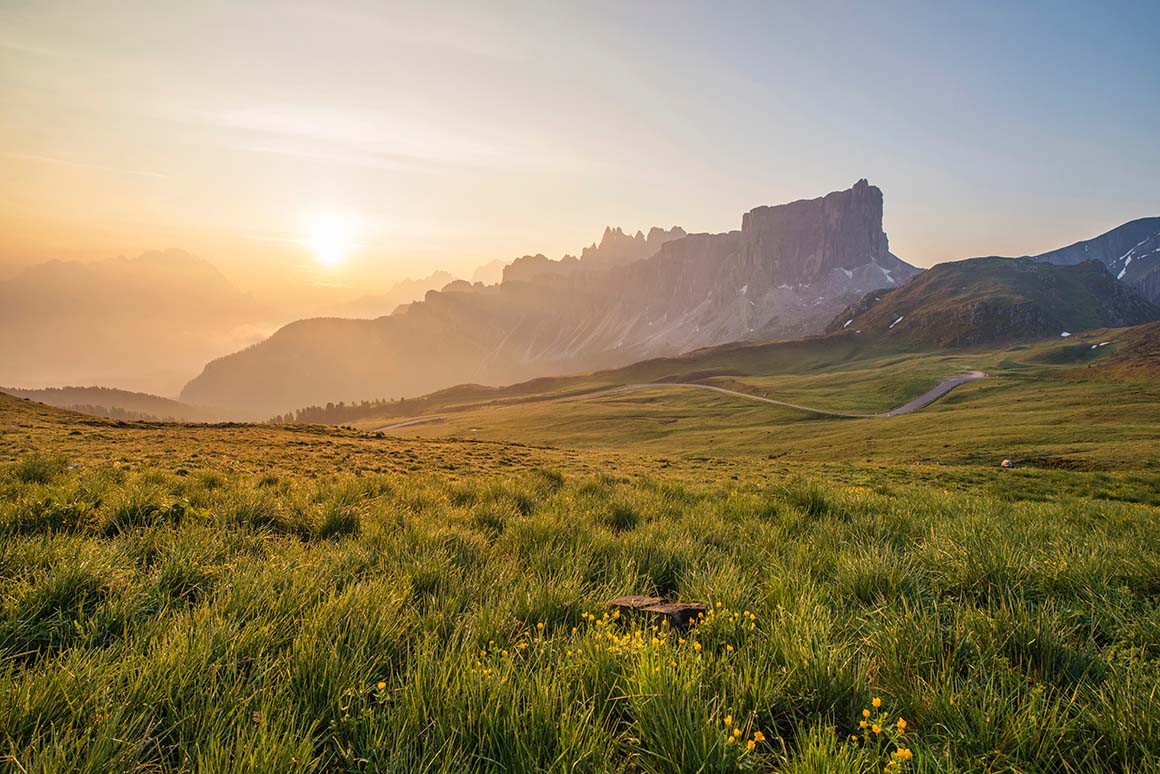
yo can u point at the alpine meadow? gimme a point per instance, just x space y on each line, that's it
340 484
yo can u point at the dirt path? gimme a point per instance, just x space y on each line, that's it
925 399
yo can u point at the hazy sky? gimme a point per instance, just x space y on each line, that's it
443 135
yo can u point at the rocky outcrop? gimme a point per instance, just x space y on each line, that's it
784 274
803 241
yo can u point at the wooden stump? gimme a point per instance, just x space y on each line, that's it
678 614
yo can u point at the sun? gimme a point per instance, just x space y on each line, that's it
330 237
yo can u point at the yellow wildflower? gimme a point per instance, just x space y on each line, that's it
876 702
758 736
381 686
540 626
865 713
728 648
728 721
750 744
876 728
696 646
902 724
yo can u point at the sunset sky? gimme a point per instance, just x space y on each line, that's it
355 143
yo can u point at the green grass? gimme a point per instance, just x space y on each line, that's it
270 598
207 621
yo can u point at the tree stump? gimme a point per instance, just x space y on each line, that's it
677 614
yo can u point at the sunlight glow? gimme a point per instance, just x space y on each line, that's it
331 238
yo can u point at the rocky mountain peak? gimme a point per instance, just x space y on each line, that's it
804 240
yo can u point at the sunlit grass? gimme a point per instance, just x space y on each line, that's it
198 619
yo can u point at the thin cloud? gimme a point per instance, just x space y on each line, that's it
80 164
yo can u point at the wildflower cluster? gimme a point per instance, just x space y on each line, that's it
491 658
725 627
735 732
884 734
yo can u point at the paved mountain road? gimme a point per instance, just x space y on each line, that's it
923 400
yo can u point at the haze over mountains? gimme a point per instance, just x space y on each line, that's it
785 273
798 269
151 323
140 322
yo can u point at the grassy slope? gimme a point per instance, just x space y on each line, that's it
232 597
1054 404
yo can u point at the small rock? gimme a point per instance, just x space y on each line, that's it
1007 464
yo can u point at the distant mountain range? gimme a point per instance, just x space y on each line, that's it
402 292
145 322
785 273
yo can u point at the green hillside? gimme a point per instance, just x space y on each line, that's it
989 301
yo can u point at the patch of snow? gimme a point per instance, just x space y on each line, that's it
847 325
744 289
1105 343
1094 346
752 304
1127 263
1142 241
783 286
886 272
1064 335
857 331
896 321
849 274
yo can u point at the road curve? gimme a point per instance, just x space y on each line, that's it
925 399
408 423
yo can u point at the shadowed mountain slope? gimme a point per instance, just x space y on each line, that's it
1130 252
995 300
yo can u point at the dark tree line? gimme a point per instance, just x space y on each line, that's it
338 413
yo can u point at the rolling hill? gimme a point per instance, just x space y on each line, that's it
124 404
984 301
1130 252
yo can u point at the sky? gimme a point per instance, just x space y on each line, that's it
350 144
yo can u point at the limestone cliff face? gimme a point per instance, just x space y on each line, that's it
785 273
801 242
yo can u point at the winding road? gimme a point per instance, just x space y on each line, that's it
923 400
